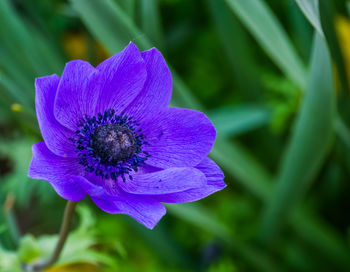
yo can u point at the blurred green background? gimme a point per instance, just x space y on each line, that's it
273 76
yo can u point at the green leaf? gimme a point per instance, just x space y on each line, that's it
15 36
264 26
129 6
78 248
115 30
322 239
199 216
14 91
308 145
25 54
238 51
202 218
310 10
151 23
28 249
9 262
161 240
18 182
233 121
239 163
343 132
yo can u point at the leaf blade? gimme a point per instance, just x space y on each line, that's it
266 29
308 145
310 10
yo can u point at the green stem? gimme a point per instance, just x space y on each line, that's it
65 228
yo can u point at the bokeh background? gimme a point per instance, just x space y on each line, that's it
273 76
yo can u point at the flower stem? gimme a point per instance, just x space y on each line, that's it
65 228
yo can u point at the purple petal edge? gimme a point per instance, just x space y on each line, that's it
156 92
55 135
58 171
215 183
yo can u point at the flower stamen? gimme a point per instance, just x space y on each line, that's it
110 145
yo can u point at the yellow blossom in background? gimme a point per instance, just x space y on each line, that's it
343 31
76 46
16 107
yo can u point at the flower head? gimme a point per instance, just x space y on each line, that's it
109 133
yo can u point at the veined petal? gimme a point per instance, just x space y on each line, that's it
121 79
145 210
178 138
54 134
215 183
170 180
77 93
58 171
156 92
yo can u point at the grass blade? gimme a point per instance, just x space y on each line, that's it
115 29
308 145
202 218
238 51
310 10
322 239
232 121
151 23
15 35
264 26
129 6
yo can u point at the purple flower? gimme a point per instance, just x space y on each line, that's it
108 132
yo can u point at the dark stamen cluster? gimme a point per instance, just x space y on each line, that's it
109 145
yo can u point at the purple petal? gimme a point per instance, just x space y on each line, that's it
145 210
58 171
77 93
178 138
215 183
54 134
156 92
122 78
170 180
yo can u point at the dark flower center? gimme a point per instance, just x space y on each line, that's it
113 143
110 145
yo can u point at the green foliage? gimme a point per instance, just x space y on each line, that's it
78 249
280 134
266 29
309 142
310 9
233 121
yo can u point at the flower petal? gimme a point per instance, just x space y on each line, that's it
77 93
54 134
170 180
122 78
156 92
178 138
214 177
145 210
58 171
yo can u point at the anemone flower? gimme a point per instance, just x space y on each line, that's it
109 133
